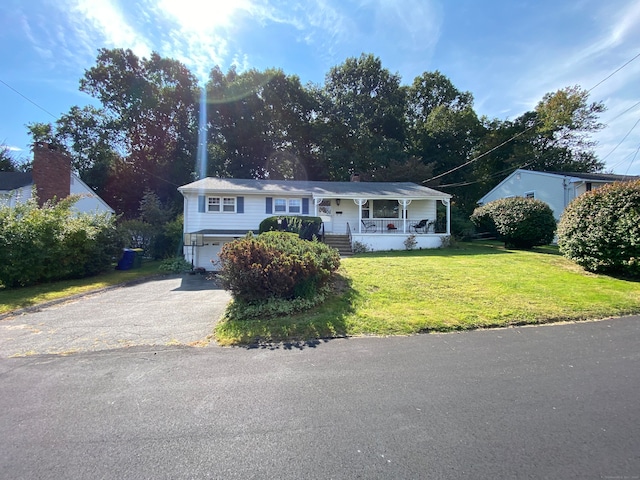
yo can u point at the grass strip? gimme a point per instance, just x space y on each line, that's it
18 298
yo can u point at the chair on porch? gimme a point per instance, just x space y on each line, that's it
420 226
369 227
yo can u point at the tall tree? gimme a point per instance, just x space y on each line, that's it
443 127
152 104
361 123
259 125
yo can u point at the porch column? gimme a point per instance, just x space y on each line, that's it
405 203
445 201
360 202
316 203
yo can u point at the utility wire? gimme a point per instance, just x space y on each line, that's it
28 99
475 159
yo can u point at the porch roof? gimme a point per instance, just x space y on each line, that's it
315 189
222 233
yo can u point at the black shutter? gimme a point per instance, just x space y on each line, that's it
269 205
201 203
240 204
305 206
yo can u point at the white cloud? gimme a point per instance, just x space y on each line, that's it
108 20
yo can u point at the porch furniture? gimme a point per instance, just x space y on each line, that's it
369 227
420 226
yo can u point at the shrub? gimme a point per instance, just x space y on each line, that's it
359 247
175 265
600 230
305 227
276 265
41 244
410 242
519 222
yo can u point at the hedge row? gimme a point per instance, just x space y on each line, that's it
305 227
43 244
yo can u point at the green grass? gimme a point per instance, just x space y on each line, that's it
472 286
17 298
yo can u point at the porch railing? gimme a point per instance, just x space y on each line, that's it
396 225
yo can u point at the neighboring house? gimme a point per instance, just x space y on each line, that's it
556 189
51 176
380 215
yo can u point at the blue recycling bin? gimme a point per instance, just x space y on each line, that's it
127 260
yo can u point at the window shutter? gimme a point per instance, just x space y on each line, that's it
201 203
240 204
269 205
305 206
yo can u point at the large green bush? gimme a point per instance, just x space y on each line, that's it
600 230
276 265
519 222
305 227
41 244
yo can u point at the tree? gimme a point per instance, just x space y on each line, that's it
361 123
7 163
151 104
443 130
259 125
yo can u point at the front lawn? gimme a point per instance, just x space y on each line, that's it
473 285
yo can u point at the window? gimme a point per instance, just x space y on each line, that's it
214 204
386 209
229 205
295 205
217 204
292 205
366 212
325 207
589 186
280 205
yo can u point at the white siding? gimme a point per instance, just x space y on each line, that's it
549 188
13 197
89 202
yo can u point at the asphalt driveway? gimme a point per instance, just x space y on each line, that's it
173 310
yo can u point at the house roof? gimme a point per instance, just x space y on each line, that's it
572 177
604 177
14 180
316 189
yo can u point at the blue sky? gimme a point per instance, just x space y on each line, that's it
507 53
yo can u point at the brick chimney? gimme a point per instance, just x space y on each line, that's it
51 172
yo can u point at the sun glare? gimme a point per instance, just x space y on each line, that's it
203 14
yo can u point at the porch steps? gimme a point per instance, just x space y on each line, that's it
340 243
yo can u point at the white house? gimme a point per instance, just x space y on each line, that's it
556 189
380 215
51 176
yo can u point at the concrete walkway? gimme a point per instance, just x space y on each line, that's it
174 310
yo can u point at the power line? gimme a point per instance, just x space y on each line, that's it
613 73
475 159
28 99
623 139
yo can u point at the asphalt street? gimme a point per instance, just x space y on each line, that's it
557 402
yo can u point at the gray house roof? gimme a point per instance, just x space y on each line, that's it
14 180
315 189
603 177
